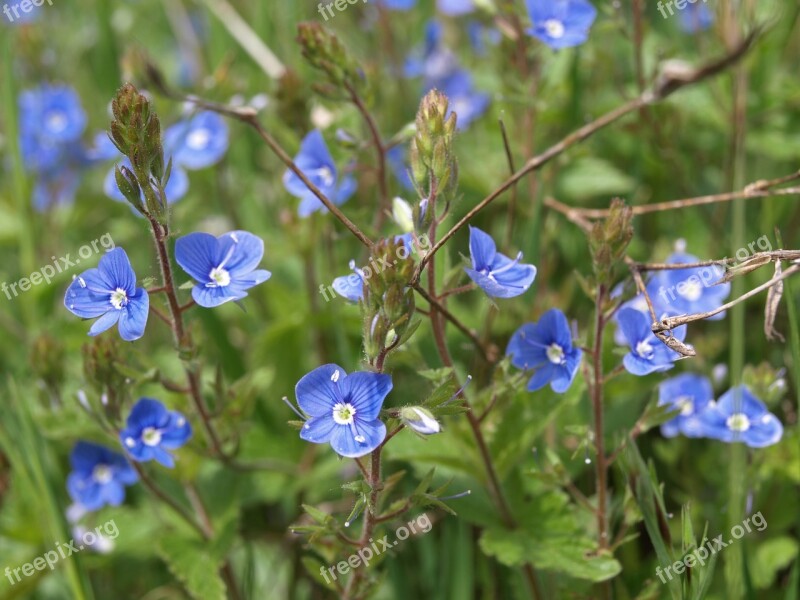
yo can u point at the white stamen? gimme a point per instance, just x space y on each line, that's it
555 354
119 298
644 349
738 422
219 278
151 436
130 442
344 413
198 139
102 474
335 376
555 28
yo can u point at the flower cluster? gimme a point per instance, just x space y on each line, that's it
738 416
99 475
52 122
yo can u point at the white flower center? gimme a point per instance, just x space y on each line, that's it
56 121
644 349
119 298
220 277
102 474
555 354
151 436
555 28
326 175
686 404
692 290
344 414
198 139
738 422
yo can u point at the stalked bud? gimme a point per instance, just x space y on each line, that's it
420 420
129 186
326 52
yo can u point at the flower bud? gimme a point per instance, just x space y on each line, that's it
420 420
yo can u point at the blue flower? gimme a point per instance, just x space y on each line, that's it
648 354
547 347
479 34
224 267
152 430
688 291
51 124
98 476
51 115
110 293
738 416
350 286
455 8
696 17
316 163
689 393
343 409
197 142
420 419
561 23
495 273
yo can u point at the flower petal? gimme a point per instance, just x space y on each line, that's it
318 429
248 250
366 392
147 412
107 321
344 443
196 254
319 390
133 318
481 248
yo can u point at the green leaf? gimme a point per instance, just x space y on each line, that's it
772 556
193 564
590 177
571 555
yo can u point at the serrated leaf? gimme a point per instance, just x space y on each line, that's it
570 555
191 562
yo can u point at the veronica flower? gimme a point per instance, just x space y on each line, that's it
738 416
689 393
420 419
152 431
224 267
495 273
316 163
98 476
109 294
479 34
561 23
343 409
688 291
546 346
696 17
197 142
51 124
648 354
